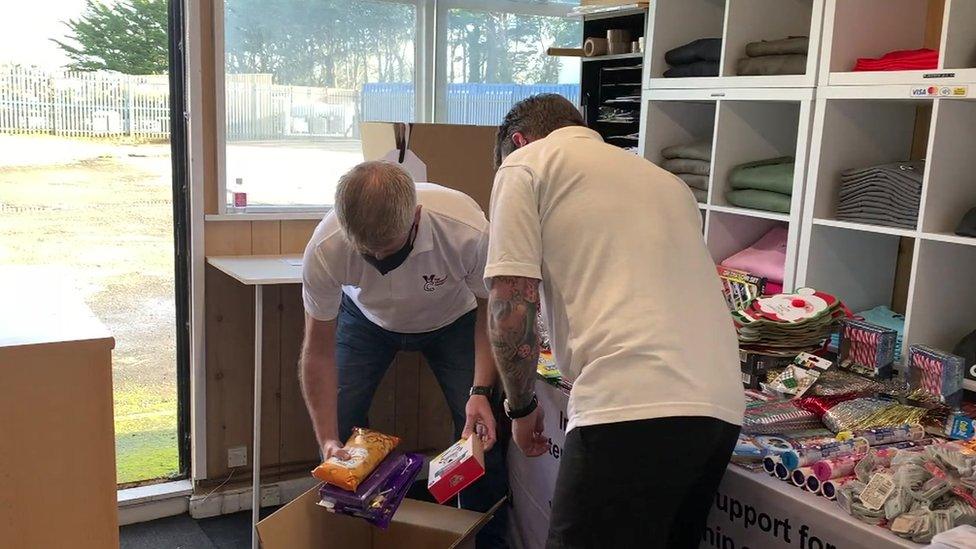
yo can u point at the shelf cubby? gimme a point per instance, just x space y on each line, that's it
728 233
857 266
941 310
858 133
951 183
756 130
948 26
670 123
673 23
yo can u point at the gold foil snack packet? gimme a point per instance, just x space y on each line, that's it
366 450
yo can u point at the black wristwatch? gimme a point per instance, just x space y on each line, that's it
482 390
521 412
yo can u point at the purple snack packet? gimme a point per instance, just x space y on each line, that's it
364 494
382 505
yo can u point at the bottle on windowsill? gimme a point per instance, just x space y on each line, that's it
239 196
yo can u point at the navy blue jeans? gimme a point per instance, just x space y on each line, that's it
364 351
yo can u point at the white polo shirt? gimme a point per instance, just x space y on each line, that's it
633 301
435 286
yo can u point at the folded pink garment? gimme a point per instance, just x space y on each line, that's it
900 60
765 258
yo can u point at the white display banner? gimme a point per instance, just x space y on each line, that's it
750 511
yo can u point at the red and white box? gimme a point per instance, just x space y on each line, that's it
456 468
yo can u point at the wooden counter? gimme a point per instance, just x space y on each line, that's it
57 437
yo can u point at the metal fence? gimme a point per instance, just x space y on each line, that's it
89 104
102 104
478 104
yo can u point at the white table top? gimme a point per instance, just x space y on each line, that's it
41 306
254 270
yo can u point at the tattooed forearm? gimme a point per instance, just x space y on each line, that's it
512 308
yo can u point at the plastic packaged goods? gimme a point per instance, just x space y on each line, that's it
366 450
398 473
871 413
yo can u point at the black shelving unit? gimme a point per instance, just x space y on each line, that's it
610 85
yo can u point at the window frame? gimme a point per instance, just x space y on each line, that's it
430 83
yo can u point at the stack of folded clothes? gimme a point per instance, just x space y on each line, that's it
691 162
784 56
766 258
763 185
887 195
697 58
901 60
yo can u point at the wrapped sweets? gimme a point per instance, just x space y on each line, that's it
835 467
366 450
777 417
870 413
389 494
368 492
890 435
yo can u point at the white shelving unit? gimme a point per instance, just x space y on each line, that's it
744 125
872 28
863 126
673 23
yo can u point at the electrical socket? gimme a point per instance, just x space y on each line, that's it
237 456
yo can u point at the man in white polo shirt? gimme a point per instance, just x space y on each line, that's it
398 266
636 318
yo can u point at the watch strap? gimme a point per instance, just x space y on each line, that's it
524 411
482 390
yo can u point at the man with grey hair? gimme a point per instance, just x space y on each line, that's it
636 319
399 266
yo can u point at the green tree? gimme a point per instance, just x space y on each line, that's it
128 36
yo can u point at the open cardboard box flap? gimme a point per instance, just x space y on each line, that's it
303 524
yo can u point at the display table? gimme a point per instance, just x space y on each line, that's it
57 435
751 510
259 271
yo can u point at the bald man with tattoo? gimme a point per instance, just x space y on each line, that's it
636 319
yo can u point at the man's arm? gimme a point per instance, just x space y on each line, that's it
478 409
513 305
317 373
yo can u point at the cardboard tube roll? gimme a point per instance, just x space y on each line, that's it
594 47
618 35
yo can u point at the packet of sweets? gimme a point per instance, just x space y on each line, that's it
366 450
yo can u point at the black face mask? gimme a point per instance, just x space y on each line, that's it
394 260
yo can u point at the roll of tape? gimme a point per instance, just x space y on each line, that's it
618 35
635 47
617 48
594 47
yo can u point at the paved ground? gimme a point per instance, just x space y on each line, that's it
101 213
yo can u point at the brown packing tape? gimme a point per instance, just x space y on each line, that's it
618 35
617 48
565 52
594 47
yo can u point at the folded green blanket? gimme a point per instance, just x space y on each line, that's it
796 45
700 195
694 181
686 165
773 174
698 150
760 200
771 65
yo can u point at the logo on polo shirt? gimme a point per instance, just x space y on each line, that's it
431 282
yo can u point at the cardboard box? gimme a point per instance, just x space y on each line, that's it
456 468
303 524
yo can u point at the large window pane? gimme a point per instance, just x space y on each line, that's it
300 77
494 59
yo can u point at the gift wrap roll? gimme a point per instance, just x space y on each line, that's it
814 485
769 464
782 472
802 457
799 476
828 489
836 467
889 435
594 47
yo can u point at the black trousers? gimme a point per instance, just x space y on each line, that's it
639 484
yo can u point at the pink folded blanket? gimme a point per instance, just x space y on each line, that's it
765 258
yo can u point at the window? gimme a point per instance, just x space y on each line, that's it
299 78
496 58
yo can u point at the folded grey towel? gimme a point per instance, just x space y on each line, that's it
699 182
697 150
700 195
876 219
771 65
785 46
911 170
686 165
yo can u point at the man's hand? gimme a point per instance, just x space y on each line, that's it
333 448
527 433
478 411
